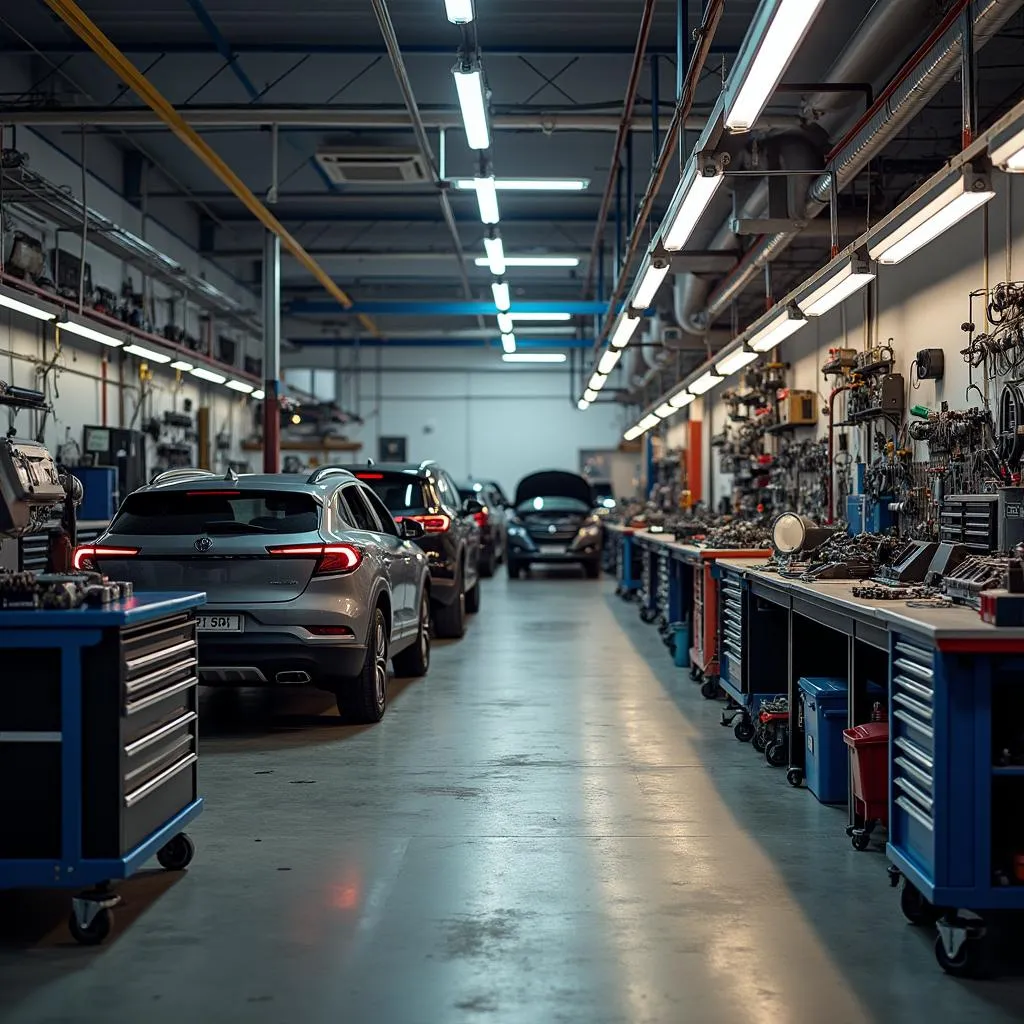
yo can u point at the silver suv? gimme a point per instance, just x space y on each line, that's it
307 580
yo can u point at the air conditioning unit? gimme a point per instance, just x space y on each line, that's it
672 337
373 167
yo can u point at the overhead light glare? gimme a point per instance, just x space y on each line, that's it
530 184
258 395
85 331
9 301
681 399
204 374
240 385
541 317
665 410
532 261
180 364
853 275
632 434
495 256
597 381
487 200
647 422
734 361
1009 155
459 12
687 207
534 357
756 78
508 343
960 199
147 353
505 324
582 405
648 283
624 331
778 330
590 395
704 383
499 289
609 360
469 84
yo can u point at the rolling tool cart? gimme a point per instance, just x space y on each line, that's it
98 744
626 559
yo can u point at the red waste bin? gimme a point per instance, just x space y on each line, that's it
869 759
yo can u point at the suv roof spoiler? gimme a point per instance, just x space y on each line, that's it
171 475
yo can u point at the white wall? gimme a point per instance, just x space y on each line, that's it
920 303
466 409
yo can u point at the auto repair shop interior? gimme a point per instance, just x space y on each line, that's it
512 512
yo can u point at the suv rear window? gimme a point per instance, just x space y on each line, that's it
169 513
401 493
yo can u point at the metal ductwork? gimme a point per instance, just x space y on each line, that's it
930 74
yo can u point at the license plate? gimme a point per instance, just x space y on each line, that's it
219 623
552 549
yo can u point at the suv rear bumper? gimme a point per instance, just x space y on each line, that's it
257 659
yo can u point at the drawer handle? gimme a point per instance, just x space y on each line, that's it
132 798
916 813
154 698
155 656
913 706
925 730
915 753
158 734
922 675
914 771
923 692
921 658
917 795
134 685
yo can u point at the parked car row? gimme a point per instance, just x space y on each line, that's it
325 579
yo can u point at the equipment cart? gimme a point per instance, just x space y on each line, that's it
98 747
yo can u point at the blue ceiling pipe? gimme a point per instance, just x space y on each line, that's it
522 344
442 307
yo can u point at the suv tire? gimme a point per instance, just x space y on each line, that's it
415 660
473 599
364 698
450 619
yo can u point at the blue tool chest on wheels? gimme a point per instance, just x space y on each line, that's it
824 701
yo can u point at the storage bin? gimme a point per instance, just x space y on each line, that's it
826 767
869 761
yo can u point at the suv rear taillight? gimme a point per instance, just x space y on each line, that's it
331 558
482 518
86 558
432 524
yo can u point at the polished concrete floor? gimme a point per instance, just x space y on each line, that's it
552 827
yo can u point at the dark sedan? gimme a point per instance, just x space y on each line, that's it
491 520
553 522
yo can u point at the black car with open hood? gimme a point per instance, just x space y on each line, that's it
553 522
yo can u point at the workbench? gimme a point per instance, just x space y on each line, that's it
98 746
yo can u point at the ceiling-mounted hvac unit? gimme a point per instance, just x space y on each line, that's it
373 166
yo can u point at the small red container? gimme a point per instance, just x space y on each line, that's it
869 758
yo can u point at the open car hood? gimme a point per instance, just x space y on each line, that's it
554 483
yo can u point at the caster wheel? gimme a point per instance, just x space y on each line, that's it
695 674
670 644
759 742
743 730
777 754
972 960
916 909
709 689
860 840
177 854
795 777
93 933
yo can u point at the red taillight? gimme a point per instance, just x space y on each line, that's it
203 494
331 558
330 631
84 558
370 476
433 524
482 518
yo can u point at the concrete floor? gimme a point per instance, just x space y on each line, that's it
552 827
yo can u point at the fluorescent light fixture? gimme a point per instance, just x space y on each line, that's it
534 357
969 192
459 12
632 434
505 324
735 361
147 353
681 399
240 385
778 330
688 204
648 283
650 420
499 289
597 381
508 343
582 405
180 364
624 331
85 331
665 410
704 383
853 275
469 84
532 261
495 256
541 317
1007 151
9 301
204 374
530 184
590 395
487 200
779 27
258 395
609 360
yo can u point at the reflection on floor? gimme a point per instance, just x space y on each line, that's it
551 827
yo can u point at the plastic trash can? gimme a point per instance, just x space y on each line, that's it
869 759
826 765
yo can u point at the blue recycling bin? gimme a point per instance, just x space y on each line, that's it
824 700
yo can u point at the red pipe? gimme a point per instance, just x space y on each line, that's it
831 484
271 428
103 392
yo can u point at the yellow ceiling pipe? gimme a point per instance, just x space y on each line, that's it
86 30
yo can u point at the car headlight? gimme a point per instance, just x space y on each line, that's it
517 529
588 532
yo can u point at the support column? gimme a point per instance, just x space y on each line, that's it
271 353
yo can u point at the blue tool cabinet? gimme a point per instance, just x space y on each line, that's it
98 747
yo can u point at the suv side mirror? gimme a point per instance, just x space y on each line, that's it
410 529
471 506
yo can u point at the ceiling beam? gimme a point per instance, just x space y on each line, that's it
442 307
